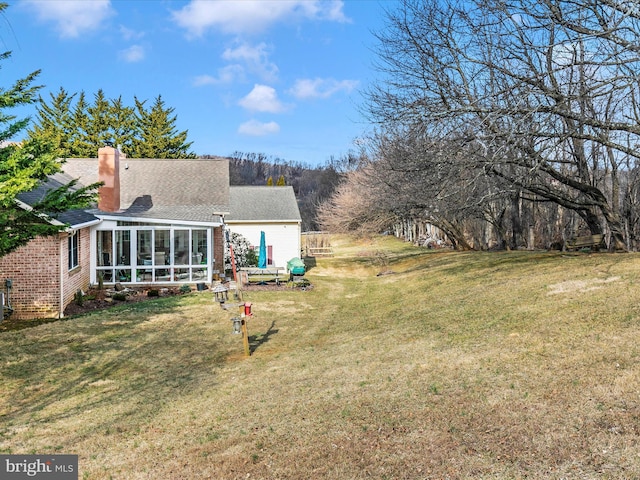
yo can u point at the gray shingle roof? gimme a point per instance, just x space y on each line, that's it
191 190
181 190
262 203
71 217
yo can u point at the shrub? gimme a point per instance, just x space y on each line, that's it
243 251
154 292
185 288
121 297
79 298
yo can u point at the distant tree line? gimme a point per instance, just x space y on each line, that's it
67 125
311 185
503 124
78 127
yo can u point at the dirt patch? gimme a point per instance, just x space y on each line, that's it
581 286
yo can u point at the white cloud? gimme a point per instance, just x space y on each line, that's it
255 57
252 16
129 34
258 129
321 88
134 53
71 17
262 99
226 76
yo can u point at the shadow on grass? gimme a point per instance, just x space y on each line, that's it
309 263
128 361
256 341
478 264
11 324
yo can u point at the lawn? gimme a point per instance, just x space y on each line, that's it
398 363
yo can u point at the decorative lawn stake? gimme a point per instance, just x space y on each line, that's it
240 325
237 325
221 293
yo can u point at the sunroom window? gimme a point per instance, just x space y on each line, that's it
150 254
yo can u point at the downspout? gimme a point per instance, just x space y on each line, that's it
61 280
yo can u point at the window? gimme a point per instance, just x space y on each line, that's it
73 250
152 253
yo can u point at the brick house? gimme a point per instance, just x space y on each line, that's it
48 271
157 222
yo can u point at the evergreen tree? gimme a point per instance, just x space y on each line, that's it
98 131
80 130
23 166
156 133
123 125
80 145
56 123
270 181
281 182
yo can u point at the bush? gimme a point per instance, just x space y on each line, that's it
154 292
185 288
244 253
79 298
121 297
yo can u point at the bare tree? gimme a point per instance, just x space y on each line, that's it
354 207
543 96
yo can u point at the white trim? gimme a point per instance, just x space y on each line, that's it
85 224
73 234
269 222
162 221
54 221
133 266
61 244
44 216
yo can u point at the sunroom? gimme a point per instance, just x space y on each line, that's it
143 253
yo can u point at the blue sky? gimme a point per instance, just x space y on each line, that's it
280 77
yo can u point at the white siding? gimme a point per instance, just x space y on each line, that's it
284 237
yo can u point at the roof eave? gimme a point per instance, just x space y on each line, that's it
213 223
229 221
43 216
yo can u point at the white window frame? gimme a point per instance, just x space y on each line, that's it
73 250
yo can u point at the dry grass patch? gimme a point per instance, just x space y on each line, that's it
459 365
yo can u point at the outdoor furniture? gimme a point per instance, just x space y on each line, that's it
147 272
160 258
594 242
263 275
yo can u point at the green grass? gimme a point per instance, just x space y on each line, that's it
450 365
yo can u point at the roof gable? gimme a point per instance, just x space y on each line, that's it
263 203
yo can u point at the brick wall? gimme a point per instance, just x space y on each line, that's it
35 272
78 278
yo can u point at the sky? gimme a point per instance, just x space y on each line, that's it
280 77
